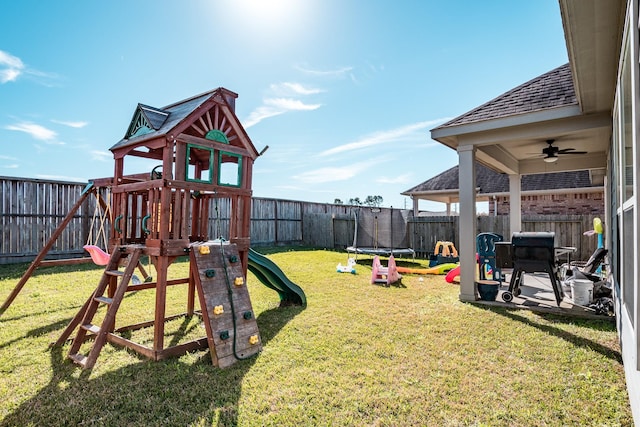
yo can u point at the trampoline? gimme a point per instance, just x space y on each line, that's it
381 232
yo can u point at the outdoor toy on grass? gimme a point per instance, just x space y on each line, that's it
438 269
385 275
349 268
444 252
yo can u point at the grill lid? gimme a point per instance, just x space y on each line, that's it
534 239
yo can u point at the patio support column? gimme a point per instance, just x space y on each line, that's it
515 205
467 244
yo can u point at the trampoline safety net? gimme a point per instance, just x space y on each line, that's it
379 231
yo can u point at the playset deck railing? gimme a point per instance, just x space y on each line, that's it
161 210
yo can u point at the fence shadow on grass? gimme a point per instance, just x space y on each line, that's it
168 392
576 340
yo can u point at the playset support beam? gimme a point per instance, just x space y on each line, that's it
47 247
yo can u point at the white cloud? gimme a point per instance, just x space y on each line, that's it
328 174
101 156
10 67
7 157
335 173
375 69
400 179
289 104
414 130
276 106
36 131
11 166
77 125
284 97
259 114
62 178
305 189
9 75
293 89
338 72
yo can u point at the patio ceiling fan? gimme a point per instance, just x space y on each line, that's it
551 152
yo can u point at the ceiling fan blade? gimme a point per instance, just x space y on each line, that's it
552 152
570 151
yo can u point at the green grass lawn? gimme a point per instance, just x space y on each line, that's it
358 354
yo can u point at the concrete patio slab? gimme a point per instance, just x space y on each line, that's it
537 295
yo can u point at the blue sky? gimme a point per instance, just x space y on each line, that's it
344 92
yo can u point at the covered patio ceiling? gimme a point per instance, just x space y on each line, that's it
514 144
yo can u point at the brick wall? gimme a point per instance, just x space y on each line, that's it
554 204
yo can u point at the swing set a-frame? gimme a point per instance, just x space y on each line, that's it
96 239
205 156
40 261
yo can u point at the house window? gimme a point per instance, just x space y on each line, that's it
614 199
623 199
628 252
626 95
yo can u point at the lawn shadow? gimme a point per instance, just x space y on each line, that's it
269 250
73 307
42 330
169 392
557 332
16 271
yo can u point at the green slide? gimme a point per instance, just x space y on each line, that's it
271 276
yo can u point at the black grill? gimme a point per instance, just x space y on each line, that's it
533 246
533 252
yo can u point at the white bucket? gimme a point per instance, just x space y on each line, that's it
581 291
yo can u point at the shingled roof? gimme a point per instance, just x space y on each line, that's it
173 114
490 182
550 90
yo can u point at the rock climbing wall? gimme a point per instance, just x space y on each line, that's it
232 330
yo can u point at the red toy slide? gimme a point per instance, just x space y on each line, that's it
452 275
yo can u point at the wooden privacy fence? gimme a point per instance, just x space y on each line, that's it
569 229
30 210
424 232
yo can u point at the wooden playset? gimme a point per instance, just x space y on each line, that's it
204 157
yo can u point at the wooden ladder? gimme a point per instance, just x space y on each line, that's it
108 281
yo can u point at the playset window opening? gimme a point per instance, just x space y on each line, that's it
230 169
199 164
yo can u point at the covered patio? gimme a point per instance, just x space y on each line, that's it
568 108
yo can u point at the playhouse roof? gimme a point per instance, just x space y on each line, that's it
173 114
155 116
149 123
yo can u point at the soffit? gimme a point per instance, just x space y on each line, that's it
593 34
